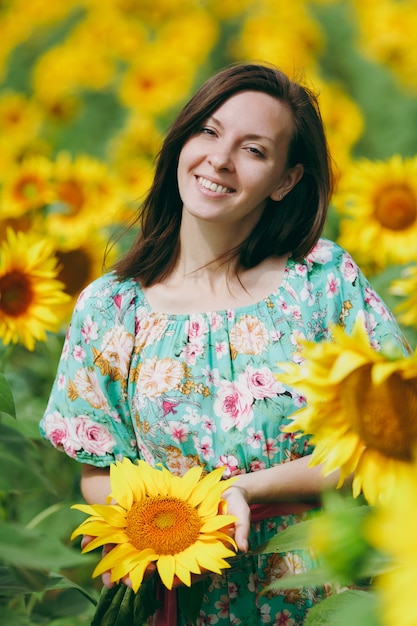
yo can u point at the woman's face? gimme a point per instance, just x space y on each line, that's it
237 160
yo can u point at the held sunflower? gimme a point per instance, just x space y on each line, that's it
361 409
152 516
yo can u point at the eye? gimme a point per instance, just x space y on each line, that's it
255 151
206 130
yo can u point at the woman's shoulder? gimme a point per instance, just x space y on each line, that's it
328 253
109 290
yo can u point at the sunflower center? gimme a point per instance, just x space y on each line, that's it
15 294
384 416
71 192
75 269
167 525
396 207
28 188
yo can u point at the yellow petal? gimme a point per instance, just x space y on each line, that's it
187 559
166 569
136 574
202 489
121 491
215 523
185 485
183 573
102 540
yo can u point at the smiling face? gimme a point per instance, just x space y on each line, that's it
237 160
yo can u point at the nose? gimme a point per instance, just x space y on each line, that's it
220 158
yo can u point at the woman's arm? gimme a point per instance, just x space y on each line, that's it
293 481
95 484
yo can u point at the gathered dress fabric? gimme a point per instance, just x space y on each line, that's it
200 389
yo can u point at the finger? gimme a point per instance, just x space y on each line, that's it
86 540
242 528
106 580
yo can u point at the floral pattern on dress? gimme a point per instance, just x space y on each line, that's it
199 389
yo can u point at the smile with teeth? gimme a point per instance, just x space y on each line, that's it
208 184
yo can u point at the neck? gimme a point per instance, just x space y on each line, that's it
203 247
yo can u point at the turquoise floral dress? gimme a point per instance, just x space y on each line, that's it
200 389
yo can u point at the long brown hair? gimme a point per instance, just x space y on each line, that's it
293 227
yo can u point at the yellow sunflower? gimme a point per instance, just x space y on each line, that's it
378 200
391 529
406 286
361 409
29 291
176 522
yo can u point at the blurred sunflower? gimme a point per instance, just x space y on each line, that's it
298 45
29 290
158 517
387 35
20 121
152 84
361 409
86 195
406 286
343 121
391 529
26 187
379 198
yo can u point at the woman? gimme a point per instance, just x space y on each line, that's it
171 356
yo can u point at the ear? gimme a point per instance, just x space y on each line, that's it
291 178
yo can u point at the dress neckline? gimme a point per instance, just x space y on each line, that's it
230 312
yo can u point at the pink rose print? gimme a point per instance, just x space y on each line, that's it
262 383
196 327
192 351
234 405
58 431
94 438
349 268
376 303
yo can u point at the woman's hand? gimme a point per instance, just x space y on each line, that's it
237 504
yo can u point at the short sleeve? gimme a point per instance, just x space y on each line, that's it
348 296
88 415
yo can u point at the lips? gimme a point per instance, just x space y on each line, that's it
212 186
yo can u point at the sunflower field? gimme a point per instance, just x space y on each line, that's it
87 91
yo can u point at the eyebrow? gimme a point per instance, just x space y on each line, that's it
248 137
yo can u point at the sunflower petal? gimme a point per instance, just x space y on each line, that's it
187 484
166 569
183 573
202 489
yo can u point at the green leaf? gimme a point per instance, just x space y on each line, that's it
190 599
9 585
64 603
20 462
29 548
344 609
6 397
15 581
296 537
314 577
14 616
121 606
